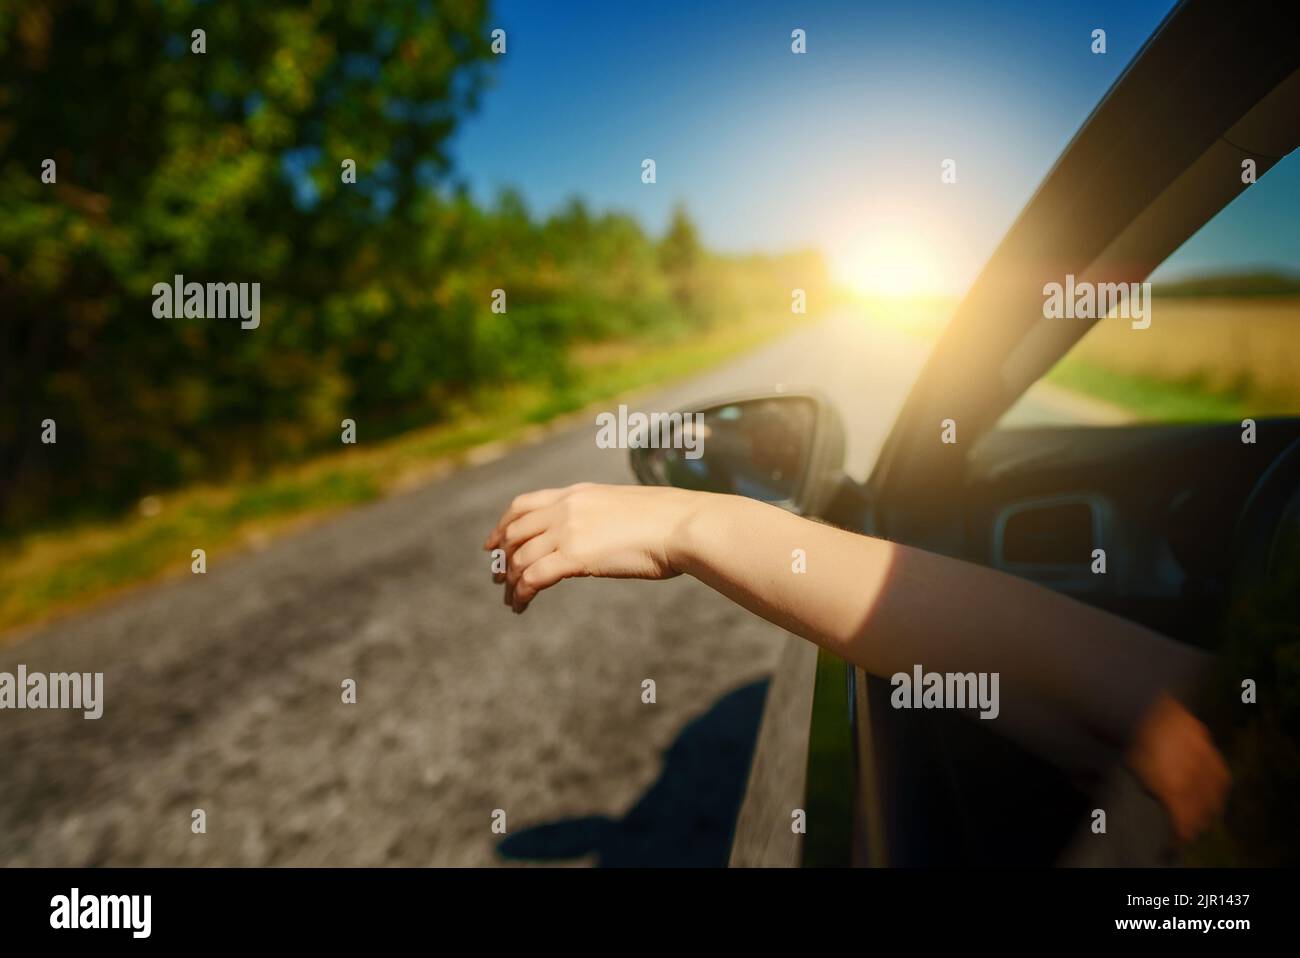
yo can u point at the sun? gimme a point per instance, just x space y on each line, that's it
887 263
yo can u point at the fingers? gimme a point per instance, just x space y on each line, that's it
532 550
542 574
532 564
521 505
518 534
524 528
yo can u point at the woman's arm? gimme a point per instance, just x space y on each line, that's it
880 605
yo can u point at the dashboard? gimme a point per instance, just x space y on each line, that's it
1139 520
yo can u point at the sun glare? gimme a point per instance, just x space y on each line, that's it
887 264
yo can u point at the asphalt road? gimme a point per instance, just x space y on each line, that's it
223 691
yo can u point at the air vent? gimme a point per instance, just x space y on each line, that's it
1055 533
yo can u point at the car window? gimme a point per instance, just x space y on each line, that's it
1223 341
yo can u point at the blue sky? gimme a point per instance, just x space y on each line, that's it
839 148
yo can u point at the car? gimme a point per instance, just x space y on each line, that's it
1190 514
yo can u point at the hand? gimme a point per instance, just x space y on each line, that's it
619 532
1176 759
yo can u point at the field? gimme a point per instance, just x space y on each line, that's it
1204 357
1209 358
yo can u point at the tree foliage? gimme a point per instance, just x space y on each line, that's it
225 166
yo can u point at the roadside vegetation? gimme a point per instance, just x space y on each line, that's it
314 163
63 565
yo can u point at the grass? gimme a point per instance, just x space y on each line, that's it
53 571
1151 399
1211 358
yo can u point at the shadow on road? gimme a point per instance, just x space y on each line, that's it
686 817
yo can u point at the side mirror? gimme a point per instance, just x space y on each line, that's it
785 447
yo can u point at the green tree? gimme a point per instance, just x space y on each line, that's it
222 165
681 256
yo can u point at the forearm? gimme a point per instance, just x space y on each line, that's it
746 550
886 608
